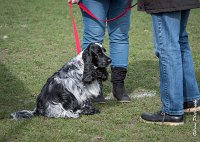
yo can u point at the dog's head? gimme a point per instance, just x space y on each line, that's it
94 56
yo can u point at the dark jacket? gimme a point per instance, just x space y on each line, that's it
156 6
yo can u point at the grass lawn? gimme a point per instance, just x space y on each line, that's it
36 39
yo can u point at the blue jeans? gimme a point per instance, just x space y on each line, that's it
178 82
94 31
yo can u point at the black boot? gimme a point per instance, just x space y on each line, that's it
118 76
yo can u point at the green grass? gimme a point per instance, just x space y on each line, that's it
36 39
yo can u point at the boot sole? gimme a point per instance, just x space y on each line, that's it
100 102
123 101
194 109
162 123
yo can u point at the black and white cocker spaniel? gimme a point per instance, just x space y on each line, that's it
67 93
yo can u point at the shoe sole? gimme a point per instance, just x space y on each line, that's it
100 102
163 123
124 101
194 109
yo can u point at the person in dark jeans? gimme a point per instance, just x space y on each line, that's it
178 85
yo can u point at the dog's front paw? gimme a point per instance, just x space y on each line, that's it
90 111
96 111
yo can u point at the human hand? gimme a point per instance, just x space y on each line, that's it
73 1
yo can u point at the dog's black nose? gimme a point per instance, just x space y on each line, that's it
109 61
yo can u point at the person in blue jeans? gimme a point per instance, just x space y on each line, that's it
94 31
178 85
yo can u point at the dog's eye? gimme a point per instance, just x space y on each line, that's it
100 53
96 56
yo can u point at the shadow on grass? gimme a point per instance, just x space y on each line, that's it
198 77
13 131
12 90
143 74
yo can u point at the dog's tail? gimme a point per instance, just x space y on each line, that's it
24 114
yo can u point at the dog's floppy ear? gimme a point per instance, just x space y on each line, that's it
89 73
102 74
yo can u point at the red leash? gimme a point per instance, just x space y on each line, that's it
84 8
78 45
